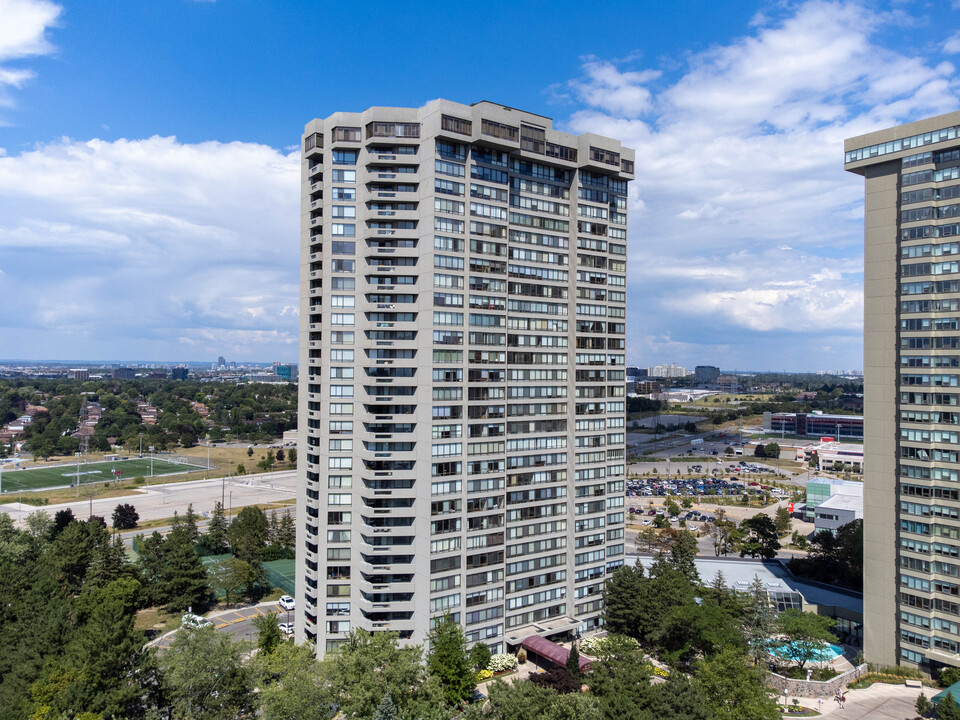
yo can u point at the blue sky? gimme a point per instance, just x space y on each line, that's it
149 174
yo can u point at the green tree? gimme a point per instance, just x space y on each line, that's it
183 583
947 709
735 690
760 539
807 634
292 457
150 566
357 674
290 684
250 452
268 632
38 523
520 701
386 710
573 661
206 677
215 540
233 577
480 656
248 535
923 705
99 669
621 594
760 450
448 662
772 450
683 555
287 532
241 470
757 619
782 521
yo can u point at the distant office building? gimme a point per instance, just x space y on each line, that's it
221 361
814 425
286 371
636 373
911 304
820 489
830 453
264 378
463 326
706 375
124 373
157 374
179 373
78 374
647 387
671 370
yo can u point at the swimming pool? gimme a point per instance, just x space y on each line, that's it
791 651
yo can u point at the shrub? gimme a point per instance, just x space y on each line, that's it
502 662
484 675
595 645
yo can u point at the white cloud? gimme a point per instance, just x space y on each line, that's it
952 44
23 34
125 245
740 155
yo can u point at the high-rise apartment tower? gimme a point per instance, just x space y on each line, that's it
911 391
462 335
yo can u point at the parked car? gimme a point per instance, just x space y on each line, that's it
286 628
287 602
194 622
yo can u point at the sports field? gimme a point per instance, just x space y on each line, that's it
60 475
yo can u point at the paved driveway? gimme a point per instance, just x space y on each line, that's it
237 623
877 702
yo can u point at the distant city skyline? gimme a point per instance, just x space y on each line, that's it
149 160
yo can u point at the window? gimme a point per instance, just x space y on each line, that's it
341 408
345 391
345 229
344 211
455 124
344 266
343 194
344 176
344 157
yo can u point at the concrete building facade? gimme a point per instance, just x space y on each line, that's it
911 350
462 384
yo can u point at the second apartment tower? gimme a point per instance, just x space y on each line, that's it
462 335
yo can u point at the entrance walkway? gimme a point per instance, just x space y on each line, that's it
880 701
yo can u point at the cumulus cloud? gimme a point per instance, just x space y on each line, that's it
23 34
743 223
148 240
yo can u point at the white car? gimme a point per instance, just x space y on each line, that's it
646 523
194 622
287 602
286 628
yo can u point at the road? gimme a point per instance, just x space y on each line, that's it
158 501
238 623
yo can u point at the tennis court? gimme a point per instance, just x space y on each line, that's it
60 475
282 574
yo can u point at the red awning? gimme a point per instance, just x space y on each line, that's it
552 652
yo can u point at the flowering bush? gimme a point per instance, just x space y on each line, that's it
484 675
660 672
502 662
595 645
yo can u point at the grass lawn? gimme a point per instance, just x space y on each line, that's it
156 619
37 478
